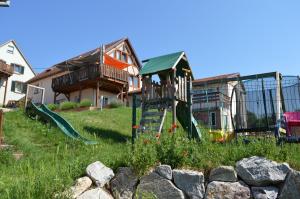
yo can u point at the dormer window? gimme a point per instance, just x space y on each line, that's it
10 49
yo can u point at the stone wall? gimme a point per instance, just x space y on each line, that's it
254 177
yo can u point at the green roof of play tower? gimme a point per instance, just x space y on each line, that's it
161 63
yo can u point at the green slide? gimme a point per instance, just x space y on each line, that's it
182 116
46 114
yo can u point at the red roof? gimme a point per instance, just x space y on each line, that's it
214 78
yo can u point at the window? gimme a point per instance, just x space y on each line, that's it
1 82
124 57
105 101
213 119
36 90
18 69
118 54
129 61
10 49
136 82
18 87
112 54
130 81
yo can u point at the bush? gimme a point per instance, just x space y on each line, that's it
85 103
52 107
67 105
115 104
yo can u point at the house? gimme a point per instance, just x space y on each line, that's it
105 74
213 100
14 72
4 3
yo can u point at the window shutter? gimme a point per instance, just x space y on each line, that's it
22 69
13 86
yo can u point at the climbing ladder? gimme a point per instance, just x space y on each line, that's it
153 117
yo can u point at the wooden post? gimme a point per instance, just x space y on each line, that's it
97 94
133 118
5 92
80 93
174 100
1 126
189 103
278 96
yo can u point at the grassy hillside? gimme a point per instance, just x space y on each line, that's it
52 161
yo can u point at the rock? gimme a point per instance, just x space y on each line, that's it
224 174
190 182
227 190
164 171
99 173
269 192
258 171
291 187
95 194
124 183
81 185
153 185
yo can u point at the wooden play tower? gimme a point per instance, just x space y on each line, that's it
166 86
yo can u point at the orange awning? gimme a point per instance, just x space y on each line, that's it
114 62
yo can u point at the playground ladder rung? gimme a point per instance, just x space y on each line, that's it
143 121
145 114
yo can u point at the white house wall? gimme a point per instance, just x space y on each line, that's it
15 58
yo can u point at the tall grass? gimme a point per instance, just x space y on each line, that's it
52 162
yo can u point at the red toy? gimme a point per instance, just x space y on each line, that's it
291 119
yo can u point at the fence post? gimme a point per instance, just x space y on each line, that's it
134 105
1 126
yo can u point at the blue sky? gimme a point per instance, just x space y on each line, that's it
219 36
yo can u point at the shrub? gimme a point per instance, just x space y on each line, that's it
85 103
52 107
67 105
115 104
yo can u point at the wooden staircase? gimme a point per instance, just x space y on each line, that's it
153 117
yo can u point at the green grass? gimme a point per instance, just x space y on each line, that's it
52 161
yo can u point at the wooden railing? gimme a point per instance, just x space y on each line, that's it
89 73
5 68
153 91
210 100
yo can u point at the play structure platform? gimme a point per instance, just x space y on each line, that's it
45 114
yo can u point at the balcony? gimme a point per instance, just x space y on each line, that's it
88 77
5 68
210 101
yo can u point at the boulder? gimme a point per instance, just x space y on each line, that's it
99 173
164 171
124 183
81 185
224 174
153 185
291 187
259 171
95 194
190 182
227 190
269 192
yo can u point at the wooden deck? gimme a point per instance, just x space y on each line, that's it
5 68
88 76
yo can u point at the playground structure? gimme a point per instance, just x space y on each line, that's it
35 108
166 87
255 102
